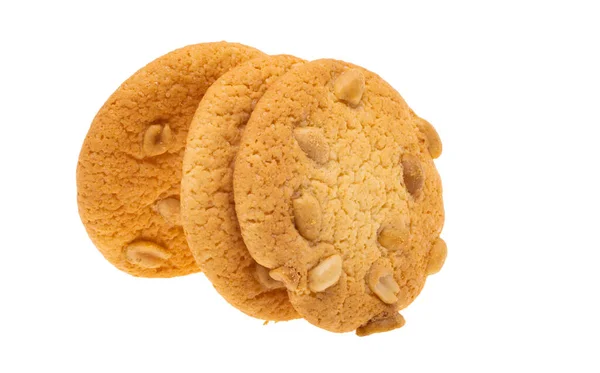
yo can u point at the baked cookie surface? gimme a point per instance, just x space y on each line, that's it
207 204
129 169
337 195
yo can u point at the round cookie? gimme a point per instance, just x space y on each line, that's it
337 194
207 205
129 168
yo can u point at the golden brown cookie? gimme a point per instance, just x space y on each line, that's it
129 167
207 204
337 194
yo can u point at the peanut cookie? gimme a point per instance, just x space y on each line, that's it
207 203
129 167
337 195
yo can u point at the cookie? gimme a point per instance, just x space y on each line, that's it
129 168
337 195
207 204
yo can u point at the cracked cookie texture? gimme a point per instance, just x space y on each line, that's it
129 169
207 202
338 198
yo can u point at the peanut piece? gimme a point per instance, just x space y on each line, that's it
437 257
313 142
386 289
381 324
157 140
169 209
146 254
434 143
382 283
350 86
262 276
396 235
287 276
325 274
307 216
414 177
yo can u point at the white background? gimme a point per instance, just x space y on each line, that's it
513 89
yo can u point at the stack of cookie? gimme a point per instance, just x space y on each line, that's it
300 189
